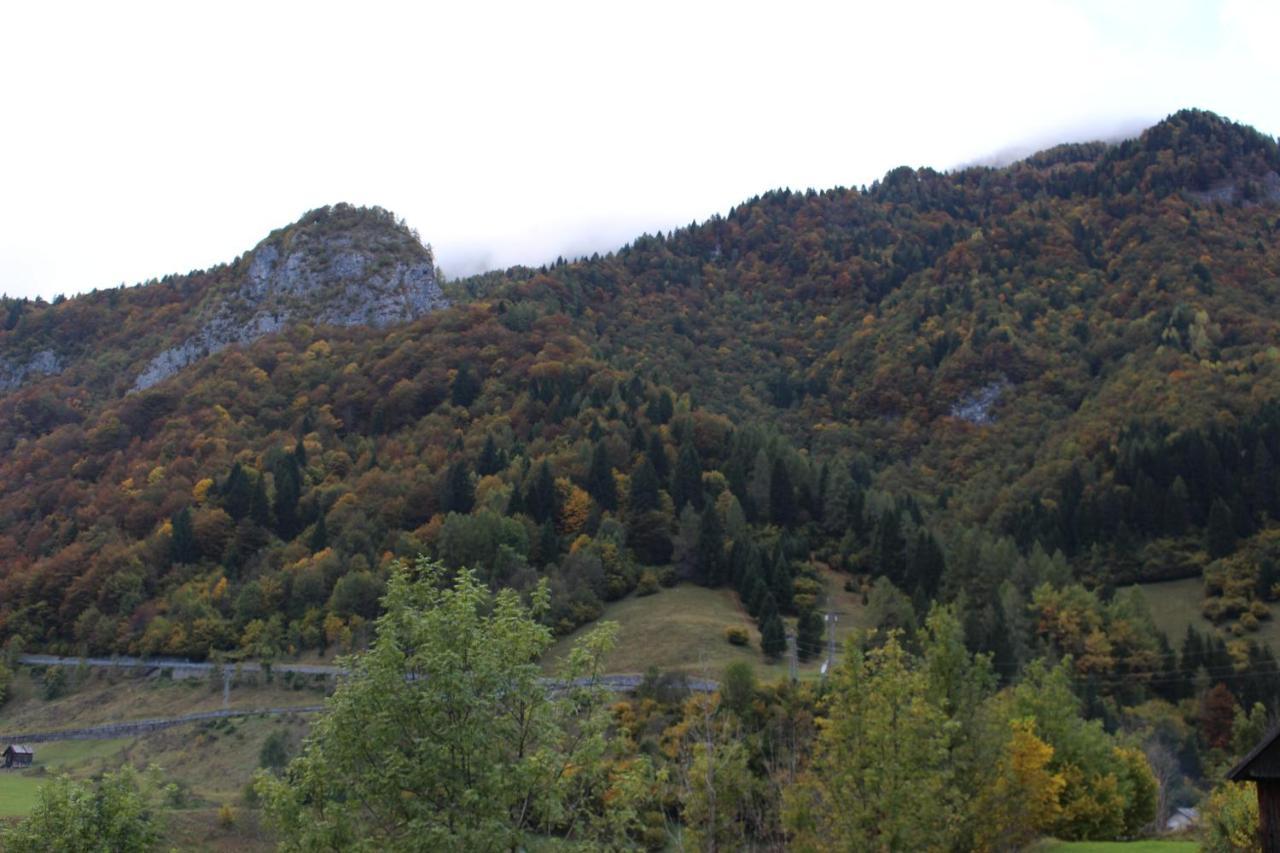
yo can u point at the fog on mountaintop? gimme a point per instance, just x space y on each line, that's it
542 243
475 242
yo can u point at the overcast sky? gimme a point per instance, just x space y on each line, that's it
139 139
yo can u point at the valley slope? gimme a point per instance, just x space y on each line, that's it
972 384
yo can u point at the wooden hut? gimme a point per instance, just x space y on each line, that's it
17 755
1262 767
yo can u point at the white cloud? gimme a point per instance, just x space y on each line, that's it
148 138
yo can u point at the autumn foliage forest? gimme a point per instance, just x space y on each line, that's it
1012 390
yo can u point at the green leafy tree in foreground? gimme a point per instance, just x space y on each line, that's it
879 774
445 737
79 817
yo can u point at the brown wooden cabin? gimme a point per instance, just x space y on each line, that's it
1262 767
16 755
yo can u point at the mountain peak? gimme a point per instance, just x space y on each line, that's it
338 265
1209 157
371 229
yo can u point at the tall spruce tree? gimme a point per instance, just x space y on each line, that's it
686 485
490 461
888 548
928 564
711 558
810 631
259 504
319 534
1220 535
541 500
459 495
237 492
657 454
182 543
644 495
773 637
465 387
782 495
600 483
288 480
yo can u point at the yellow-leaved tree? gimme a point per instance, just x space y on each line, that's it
1022 800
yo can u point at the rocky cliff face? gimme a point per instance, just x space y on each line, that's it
16 372
341 266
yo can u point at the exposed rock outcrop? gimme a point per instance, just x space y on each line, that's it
14 373
977 407
341 266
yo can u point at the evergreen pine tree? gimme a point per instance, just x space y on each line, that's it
888 548
459 495
1220 535
600 482
490 461
644 489
686 485
1177 508
711 560
465 387
182 544
548 550
657 454
663 408
300 453
319 535
928 564
779 577
288 490
810 631
541 500
782 496
773 637
259 505
236 493
757 595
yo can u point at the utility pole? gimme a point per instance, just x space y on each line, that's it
830 662
793 661
832 619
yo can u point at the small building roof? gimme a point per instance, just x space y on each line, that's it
19 749
1262 763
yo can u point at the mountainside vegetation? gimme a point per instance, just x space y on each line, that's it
1007 391
1076 352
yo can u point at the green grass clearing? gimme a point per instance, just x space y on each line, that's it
683 629
212 760
1147 846
1176 604
76 757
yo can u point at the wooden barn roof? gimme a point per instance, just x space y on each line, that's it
19 749
1262 762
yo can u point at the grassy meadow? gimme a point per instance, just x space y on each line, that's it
1145 846
683 629
208 763
1176 604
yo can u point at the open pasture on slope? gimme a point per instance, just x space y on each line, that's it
683 629
1176 604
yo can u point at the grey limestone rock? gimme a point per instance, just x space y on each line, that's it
976 407
339 266
14 373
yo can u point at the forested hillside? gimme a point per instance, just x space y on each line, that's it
980 387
